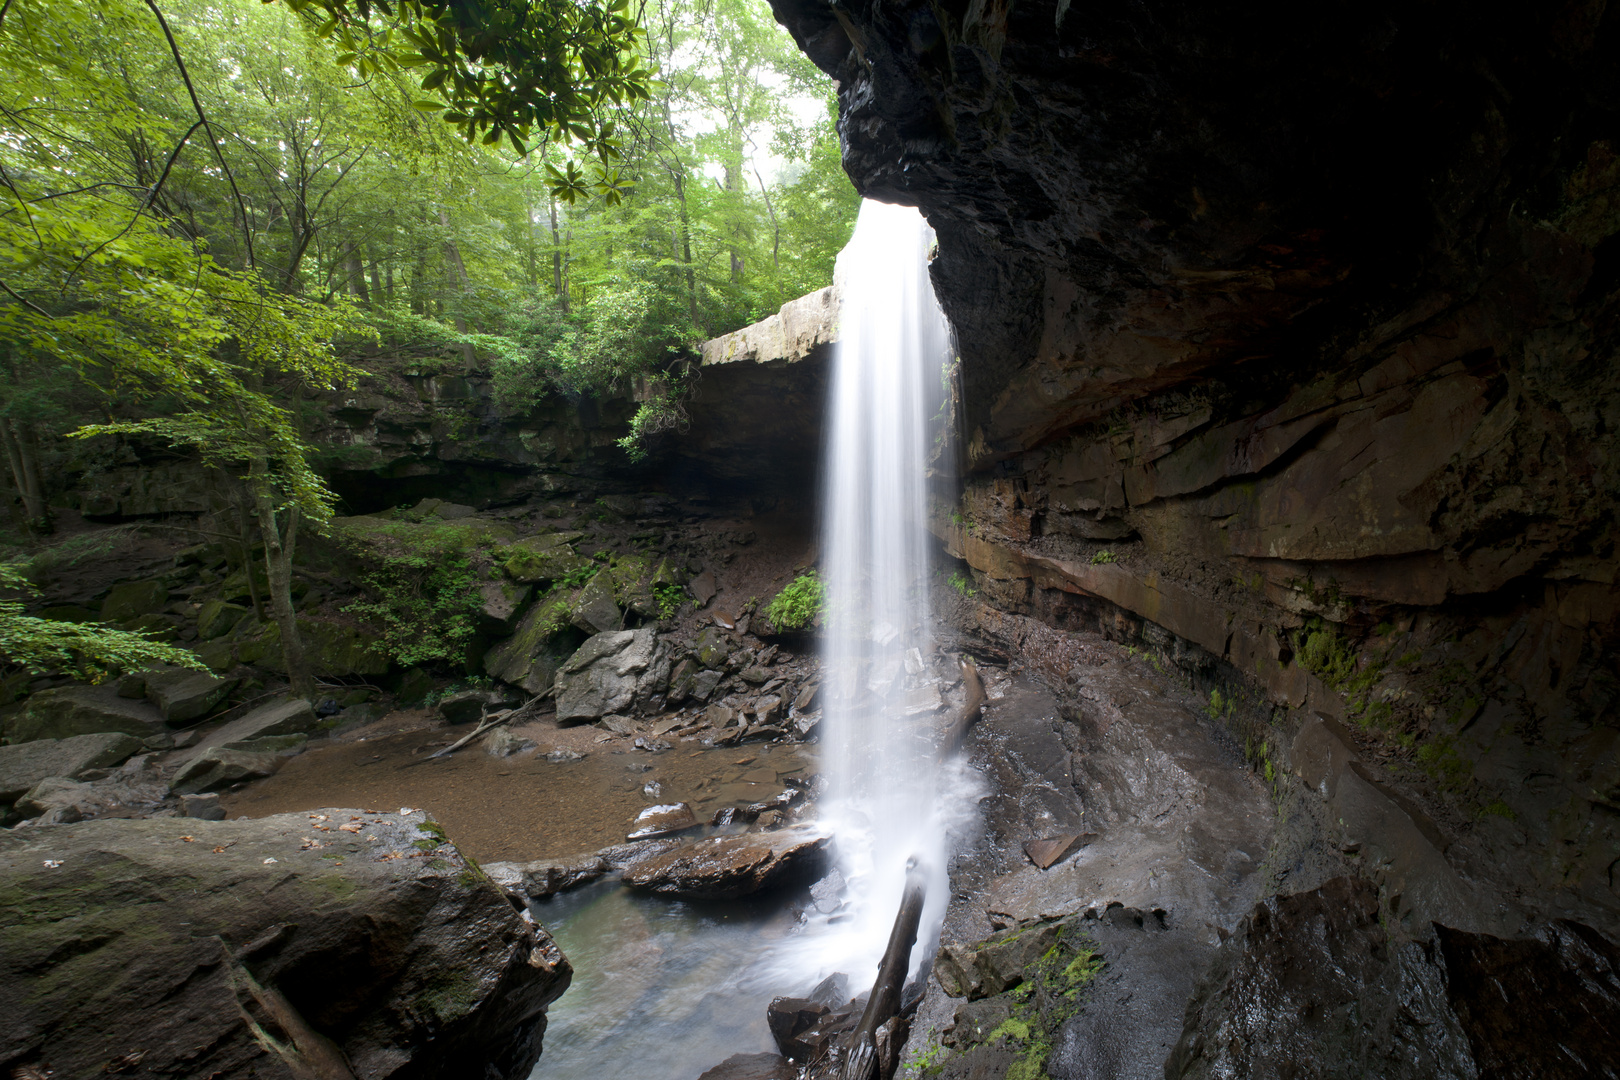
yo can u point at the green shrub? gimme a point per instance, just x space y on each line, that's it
87 651
420 584
796 606
669 598
962 584
1102 558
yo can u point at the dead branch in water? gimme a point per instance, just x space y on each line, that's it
862 1062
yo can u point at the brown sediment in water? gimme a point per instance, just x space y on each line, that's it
520 807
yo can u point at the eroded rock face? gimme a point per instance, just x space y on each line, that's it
308 933
1289 352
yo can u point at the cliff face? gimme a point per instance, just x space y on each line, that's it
1289 349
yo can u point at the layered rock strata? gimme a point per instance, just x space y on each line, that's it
1288 346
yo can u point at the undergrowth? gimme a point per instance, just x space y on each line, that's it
796 606
420 586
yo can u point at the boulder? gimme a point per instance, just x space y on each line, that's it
713 647
499 603
183 695
609 673
593 610
505 742
132 600
531 656
176 939
26 764
547 877
543 558
657 822
287 716
702 588
1312 984
204 807
136 786
221 766
705 683
998 963
727 867
219 656
753 1067
218 618
473 705
65 711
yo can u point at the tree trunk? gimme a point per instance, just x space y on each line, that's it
557 261
736 230
686 244
355 272
776 226
279 542
22 454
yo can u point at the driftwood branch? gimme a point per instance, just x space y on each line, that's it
523 712
884 1002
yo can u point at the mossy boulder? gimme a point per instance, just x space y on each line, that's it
713 647
547 557
65 711
331 648
531 657
133 599
593 609
165 936
500 602
218 618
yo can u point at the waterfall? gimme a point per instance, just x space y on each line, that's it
885 805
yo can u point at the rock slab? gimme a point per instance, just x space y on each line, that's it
24 765
406 966
65 711
727 867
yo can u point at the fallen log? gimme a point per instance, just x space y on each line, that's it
505 716
862 1060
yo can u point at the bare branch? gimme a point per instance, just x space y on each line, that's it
213 141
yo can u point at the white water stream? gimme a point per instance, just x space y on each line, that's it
889 800
665 990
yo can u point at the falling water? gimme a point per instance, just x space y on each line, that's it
886 798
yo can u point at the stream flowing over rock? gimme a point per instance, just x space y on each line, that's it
325 944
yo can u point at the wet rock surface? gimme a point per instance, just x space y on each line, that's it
114 955
728 867
1313 985
1178 832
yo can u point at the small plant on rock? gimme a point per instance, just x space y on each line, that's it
796 606
1103 558
962 584
669 599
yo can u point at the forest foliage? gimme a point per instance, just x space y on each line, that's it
212 212
232 194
